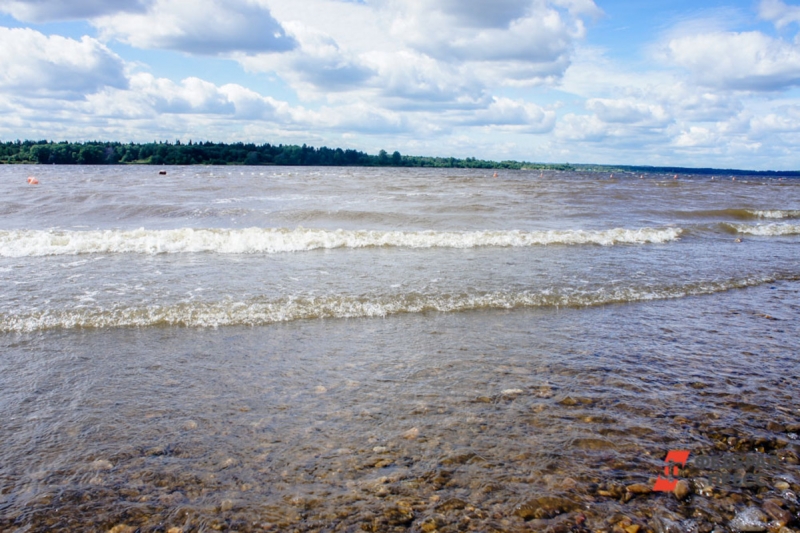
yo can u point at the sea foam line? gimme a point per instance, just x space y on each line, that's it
766 230
32 243
259 311
777 213
744 214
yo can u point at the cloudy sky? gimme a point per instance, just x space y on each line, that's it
663 82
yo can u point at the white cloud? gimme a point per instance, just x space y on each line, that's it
422 54
360 118
529 32
149 96
628 111
785 118
778 12
697 136
477 13
573 127
49 10
409 79
743 61
205 27
518 115
317 64
54 66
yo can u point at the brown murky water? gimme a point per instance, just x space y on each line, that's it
435 380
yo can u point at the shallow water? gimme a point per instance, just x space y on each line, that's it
431 350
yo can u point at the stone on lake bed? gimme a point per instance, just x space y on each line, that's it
682 489
639 488
400 515
774 508
545 507
511 392
122 528
750 519
451 504
411 434
662 524
102 464
592 443
776 427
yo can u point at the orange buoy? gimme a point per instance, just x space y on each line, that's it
495 175
32 180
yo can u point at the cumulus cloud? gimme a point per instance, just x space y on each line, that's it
778 12
587 128
785 118
730 60
205 27
55 66
150 96
409 79
517 115
318 63
697 136
628 111
510 30
426 53
50 10
696 104
360 118
191 99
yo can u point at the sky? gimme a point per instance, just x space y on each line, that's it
663 82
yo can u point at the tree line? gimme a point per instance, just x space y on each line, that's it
209 153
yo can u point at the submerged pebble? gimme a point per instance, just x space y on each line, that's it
749 519
102 464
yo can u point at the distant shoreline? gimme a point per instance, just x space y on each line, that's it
250 154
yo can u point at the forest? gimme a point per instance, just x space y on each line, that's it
208 153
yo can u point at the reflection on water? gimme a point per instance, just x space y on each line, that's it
518 420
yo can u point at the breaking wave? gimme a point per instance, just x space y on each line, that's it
765 230
261 311
32 243
744 214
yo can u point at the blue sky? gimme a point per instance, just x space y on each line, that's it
581 81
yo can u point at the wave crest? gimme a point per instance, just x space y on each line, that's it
32 243
766 230
260 311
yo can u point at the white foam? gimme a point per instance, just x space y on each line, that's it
767 230
31 243
256 312
776 213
